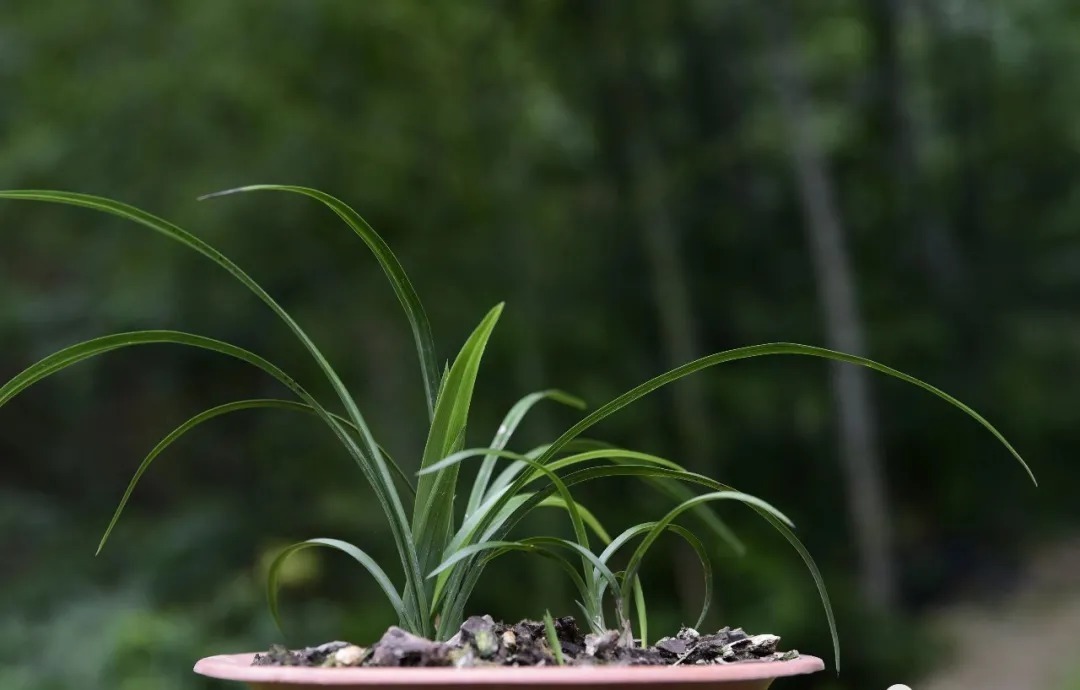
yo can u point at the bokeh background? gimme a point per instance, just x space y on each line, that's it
643 183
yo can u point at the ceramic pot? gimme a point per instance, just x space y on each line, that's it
747 675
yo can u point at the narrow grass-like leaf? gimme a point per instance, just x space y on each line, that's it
496 510
442 382
506 430
690 538
588 558
375 469
175 435
593 473
433 514
558 542
569 504
80 352
395 272
358 555
207 415
553 639
566 501
587 516
484 520
760 351
460 561
673 490
508 518
495 549
610 453
403 478
642 613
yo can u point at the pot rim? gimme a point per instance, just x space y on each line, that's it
237 667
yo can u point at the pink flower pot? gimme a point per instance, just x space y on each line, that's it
748 675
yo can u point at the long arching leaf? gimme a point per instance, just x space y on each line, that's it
673 490
496 549
691 539
399 280
377 472
663 523
433 513
587 517
449 616
358 555
643 471
205 416
506 519
497 509
760 351
506 430
589 556
82 351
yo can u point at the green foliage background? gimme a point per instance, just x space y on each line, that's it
486 142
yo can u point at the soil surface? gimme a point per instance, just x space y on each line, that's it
483 642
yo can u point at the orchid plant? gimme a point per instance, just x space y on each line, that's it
443 550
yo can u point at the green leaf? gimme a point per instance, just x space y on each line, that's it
589 556
695 544
483 521
456 598
673 490
80 352
358 555
402 477
500 548
497 509
643 615
509 507
399 280
374 466
760 351
442 382
206 416
433 511
506 430
553 639
643 471
587 516
85 350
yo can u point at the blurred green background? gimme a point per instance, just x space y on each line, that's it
643 182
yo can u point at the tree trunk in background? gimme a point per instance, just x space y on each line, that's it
907 132
641 175
679 335
868 508
524 265
671 295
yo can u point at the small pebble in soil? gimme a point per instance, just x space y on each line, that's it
347 656
482 642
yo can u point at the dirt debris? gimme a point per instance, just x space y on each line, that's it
483 642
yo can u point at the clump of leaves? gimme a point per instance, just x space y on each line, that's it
442 556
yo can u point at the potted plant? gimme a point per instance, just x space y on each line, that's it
443 553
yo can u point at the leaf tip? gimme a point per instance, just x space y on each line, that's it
223 192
